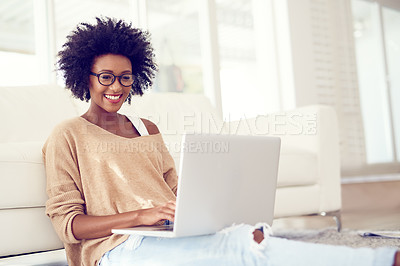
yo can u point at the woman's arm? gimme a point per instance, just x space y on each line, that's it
89 227
169 171
65 206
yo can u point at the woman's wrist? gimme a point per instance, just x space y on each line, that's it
89 227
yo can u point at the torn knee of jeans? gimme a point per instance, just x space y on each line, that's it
258 236
260 231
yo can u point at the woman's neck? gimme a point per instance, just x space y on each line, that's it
103 118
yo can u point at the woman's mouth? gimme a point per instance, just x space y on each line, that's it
113 98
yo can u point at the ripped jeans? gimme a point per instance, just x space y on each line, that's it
235 246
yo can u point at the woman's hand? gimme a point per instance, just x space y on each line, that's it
89 227
156 214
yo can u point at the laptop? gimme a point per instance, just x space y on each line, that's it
223 180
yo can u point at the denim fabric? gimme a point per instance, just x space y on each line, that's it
235 246
288 252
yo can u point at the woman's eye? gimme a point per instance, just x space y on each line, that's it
127 77
106 76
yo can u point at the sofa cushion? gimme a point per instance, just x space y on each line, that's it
26 230
30 113
297 167
49 258
23 179
299 200
176 114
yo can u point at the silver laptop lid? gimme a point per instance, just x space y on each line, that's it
225 179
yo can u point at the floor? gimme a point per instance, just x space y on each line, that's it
366 206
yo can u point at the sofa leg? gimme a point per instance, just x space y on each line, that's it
336 215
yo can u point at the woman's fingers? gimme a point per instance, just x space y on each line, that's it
171 204
169 210
156 214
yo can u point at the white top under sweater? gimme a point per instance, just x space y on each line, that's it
139 125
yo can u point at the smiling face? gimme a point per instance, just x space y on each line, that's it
109 99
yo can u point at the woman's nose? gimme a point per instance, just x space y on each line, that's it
116 86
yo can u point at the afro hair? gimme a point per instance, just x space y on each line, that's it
108 36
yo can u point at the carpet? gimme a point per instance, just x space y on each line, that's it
330 236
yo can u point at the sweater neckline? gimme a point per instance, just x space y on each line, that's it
112 134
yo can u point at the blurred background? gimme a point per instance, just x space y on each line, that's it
250 57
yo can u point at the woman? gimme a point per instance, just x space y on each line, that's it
105 170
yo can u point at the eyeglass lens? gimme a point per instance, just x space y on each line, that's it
108 79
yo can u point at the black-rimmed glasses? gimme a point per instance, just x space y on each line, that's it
107 79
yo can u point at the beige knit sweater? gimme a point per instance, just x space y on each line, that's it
92 171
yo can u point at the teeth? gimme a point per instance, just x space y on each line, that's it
112 97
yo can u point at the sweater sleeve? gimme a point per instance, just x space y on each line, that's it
169 170
65 200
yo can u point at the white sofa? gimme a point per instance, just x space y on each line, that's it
308 181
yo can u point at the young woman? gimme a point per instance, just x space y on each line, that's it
94 187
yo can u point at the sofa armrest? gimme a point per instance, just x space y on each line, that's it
25 228
53 257
324 141
312 129
23 177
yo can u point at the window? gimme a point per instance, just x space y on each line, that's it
174 27
391 23
68 14
19 57
377 41
238 73
247 58
200 46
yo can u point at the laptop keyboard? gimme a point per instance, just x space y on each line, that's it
164 227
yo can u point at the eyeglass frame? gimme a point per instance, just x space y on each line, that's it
114 78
